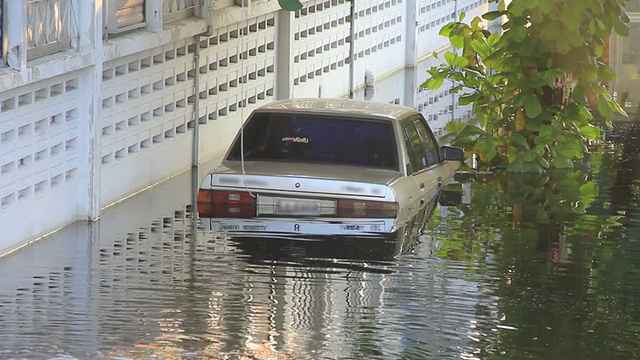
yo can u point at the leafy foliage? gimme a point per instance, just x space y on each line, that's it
539 87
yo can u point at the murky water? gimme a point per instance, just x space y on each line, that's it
526 268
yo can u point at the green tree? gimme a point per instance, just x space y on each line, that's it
538 87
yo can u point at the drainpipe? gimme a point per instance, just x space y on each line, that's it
196 103
208 15
352 46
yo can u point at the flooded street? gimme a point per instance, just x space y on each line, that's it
528 267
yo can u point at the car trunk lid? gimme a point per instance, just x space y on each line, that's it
305 179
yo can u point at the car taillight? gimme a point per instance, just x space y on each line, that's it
367 209
226 203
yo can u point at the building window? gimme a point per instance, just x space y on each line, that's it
180 9
125 15
52 25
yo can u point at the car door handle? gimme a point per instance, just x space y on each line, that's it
421 186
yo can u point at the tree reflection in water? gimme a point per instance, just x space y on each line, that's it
566 265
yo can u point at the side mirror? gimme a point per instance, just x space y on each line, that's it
452 153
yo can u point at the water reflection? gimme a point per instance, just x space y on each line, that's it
562 260
526 267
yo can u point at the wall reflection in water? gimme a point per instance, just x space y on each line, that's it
146 280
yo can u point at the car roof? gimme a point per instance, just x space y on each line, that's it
340 106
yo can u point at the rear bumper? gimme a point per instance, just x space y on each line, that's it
293 227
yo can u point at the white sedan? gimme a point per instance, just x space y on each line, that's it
326 167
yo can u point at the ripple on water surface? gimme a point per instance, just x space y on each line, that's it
496 276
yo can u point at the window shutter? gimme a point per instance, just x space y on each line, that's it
127 14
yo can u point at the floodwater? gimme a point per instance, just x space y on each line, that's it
526 267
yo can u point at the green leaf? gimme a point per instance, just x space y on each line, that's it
449 57
467 99
531 4
492 15
616 107
545 131
447 29
480 47
550 76
470 131
590 74
460 62
493 39
590 132
604 108
455 126
475 23
489 148
563 45
543 162
457 41
519 139
534 124
493 60
571 18
521 166
290 5
588 189
621 28
435 83
585 113
517 7
532 106
518 34
562 162
570 148
551 31
605 73
530 156
529 48
546 6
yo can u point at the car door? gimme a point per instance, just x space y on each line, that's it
424 157
443 170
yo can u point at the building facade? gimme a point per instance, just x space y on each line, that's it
100 99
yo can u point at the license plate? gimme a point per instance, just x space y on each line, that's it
298 207
224 227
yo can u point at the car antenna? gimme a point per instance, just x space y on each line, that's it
243 102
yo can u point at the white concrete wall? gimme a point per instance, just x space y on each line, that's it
84 127
46 124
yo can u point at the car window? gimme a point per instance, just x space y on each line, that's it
429 142
315 139
415 147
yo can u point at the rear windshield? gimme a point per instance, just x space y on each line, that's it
307 139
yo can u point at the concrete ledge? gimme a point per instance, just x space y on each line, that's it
140 40
45 67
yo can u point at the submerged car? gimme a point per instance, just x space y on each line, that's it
326 166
